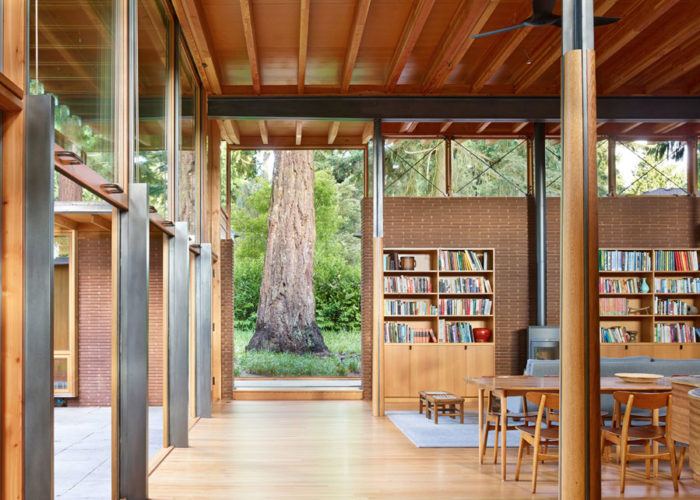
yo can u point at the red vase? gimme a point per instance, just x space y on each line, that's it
482 334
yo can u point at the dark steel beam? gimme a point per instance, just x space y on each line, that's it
441 108
38 299
203 336
538 145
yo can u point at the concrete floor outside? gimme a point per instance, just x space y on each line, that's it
82 450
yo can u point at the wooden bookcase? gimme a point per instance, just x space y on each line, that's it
644 323
410 367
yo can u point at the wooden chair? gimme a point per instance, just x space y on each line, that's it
626 434
540 435
492 422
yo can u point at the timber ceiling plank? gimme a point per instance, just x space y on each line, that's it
304 11
358 29
264 136
333 132
251 48
456 41
409 37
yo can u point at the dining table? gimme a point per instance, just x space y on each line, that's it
503 387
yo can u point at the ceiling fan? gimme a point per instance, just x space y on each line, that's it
542 16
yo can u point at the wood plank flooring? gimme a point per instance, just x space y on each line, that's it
336 449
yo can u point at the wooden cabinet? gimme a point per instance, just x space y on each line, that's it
480 363
452 369
397 371
668 351
424 368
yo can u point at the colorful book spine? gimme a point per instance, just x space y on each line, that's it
614 307
619 285
677 285
462 260
408 308
676 260
476 284
401 333
675 332
407 284
464 307
614 335
672 307
624 260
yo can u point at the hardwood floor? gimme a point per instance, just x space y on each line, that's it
336 449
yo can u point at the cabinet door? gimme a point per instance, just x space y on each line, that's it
424 368
667 351
397 371
613 351
452 369
480 363
692 351
645 349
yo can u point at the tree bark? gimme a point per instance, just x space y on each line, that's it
287 309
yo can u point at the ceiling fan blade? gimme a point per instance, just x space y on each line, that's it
542 6
602 21
501 30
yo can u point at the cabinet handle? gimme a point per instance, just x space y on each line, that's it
410 348
465 348
680 347
626 347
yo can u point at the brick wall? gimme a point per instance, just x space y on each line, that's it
94 319
507 224
155 322
227 298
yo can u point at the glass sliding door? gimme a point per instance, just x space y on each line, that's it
187 176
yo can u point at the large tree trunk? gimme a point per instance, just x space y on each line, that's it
287 309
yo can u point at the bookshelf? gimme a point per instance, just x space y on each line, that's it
649 301
432 305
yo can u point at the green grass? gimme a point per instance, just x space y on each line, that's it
343 360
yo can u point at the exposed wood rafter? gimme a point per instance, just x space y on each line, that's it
297 135
408 127
304 9
263 131
412 30
470 17
482 127
196 32
64 222
519 126
101 222
445 126
333 132
356 32
367 132
665 128
249 34
630 127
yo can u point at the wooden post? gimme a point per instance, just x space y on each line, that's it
213 197
579 469
612 167
692 145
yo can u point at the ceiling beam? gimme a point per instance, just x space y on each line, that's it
101 222
665 128
470 17
356 32
483 127
64 222
197 35
308 142
230 131
264 136
555 129
333 132
411 31
548 53
446 108
304 9
408 127
445 126
627 70
519 126
249 34
630 127
297 135
367 132
507 44
673 73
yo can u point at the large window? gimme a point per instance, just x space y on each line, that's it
187 180
414 167
651 168
552 160
151 154
484 167
72 57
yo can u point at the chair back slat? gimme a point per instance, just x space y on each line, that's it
643 400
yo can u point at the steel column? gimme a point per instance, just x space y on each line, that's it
131 405
579 466
377 263
178 339
538 147
38 299
203 381
612 167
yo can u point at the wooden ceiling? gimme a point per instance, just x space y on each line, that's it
421 47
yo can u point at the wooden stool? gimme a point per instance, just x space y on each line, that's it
422 395
448 404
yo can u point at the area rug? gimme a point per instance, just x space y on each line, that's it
448 433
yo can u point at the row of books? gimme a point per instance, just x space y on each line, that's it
619 285
676 260
677 285
407 284
464 307
676 332
402 333
614 334
475 284
463 260
409 308
624 260
673 307
614 307
456 332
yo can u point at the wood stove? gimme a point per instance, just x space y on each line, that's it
543 342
